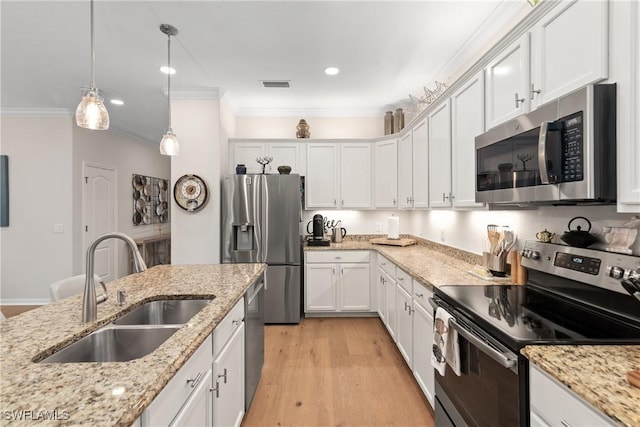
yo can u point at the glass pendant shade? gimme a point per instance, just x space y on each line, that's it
169 145
91 112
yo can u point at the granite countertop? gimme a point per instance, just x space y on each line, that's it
430 263
109 394
595 373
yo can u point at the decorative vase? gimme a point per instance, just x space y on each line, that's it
388 123
302 129
398 120
241 169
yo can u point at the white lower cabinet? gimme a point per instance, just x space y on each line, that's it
380 292
390 305
337 281
404 327
228 381
553 404
423 341
209 388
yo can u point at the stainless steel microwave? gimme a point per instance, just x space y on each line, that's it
562 153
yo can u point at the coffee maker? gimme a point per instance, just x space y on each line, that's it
317 233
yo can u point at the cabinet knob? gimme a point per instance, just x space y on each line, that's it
223 375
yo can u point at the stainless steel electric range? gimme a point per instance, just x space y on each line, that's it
573 296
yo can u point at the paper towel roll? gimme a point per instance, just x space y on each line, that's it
394 228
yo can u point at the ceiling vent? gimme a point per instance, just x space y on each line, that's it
276 83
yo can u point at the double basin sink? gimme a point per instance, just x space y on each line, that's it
132 335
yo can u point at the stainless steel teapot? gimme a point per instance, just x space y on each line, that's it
338 234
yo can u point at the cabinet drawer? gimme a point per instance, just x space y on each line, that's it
337 256
168 403
227 326
421 295
405 281
387 266
556 405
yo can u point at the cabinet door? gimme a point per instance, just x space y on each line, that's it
390 305
322 176
404 330
440 156
422 343
246 153
386 174
405 171
320 287
508 83
355 285
197 412
355 175
467 122
421 165
285 154
569 49
228 379
381 294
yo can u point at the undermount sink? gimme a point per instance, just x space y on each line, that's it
132 335
114 344
163 312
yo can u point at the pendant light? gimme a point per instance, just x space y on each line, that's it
91 112
169 145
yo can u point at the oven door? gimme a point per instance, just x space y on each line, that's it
488 393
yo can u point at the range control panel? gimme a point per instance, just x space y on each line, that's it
597 268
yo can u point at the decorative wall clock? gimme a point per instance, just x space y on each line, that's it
190 193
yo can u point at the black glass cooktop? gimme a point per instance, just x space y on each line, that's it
559 311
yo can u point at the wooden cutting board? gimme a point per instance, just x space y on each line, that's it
634 378
393 242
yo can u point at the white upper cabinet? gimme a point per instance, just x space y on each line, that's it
321 183
569 47
287 154
386 174
508 83
467 122
420 165
283 153
405 171
245 153
440 156
355 175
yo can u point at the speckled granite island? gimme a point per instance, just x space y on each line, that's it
109 394
596 374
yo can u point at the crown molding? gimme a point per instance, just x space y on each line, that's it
310 112
136 138
37 112
228 100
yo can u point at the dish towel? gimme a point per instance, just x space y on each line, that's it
445 344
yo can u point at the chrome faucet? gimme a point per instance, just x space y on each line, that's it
89 300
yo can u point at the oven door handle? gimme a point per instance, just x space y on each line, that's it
507 360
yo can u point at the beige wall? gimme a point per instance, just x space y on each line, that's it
321 127
40 174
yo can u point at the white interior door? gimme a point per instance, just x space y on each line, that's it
98 213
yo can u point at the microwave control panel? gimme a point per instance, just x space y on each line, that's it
572 148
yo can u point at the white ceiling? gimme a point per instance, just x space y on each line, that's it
384 49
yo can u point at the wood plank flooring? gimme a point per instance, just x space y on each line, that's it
336 372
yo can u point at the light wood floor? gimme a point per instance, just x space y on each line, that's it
336 372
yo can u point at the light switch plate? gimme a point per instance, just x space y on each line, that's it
58 228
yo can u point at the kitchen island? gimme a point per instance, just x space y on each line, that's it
109 394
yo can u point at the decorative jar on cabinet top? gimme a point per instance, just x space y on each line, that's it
302 129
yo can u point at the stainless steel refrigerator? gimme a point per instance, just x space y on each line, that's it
261 223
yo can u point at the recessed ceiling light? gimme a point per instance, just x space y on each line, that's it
331 71
117 102
167 70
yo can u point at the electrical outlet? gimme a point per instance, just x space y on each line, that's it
442 234
378 226
57 228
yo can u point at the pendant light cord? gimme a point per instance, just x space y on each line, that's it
93 52
169 77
